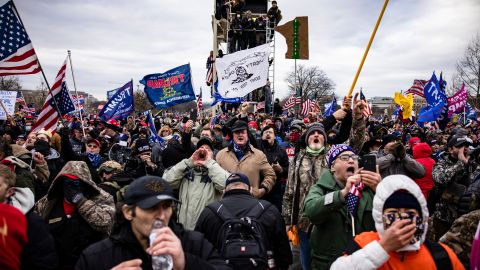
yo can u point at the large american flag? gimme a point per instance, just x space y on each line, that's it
417 88
209 76
200 101
17 55
367 111
291 102
49 115
308 106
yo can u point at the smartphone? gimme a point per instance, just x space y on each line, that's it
369 163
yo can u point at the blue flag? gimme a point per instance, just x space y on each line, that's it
330 107
153 130
444 118
471 112
436 102
120 105
218 98
170 88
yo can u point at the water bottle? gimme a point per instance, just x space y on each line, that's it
164 261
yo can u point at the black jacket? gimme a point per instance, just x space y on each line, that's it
239 202
123 246
275 153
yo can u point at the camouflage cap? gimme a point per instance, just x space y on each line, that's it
110 166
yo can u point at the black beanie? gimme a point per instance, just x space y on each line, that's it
402 199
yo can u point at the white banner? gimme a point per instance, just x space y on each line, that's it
242 72
7 99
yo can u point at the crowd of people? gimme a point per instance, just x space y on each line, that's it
240 190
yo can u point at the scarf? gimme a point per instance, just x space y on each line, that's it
239 151
95 159
314 153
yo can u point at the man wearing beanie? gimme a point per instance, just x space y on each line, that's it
240 156
401 219
307 167
200 181
342 196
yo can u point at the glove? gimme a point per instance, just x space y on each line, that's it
400 151
73 190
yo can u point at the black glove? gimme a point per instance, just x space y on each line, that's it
73 190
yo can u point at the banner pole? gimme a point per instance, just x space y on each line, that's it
368 48
77 105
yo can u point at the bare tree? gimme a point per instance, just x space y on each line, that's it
468 68
140 101
311 82
10 83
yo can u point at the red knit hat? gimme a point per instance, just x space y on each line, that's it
13 236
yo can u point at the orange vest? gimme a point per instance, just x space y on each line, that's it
421 259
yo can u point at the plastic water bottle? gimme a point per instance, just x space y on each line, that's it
164 261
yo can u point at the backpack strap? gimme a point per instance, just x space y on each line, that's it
439 254
257 210
221 211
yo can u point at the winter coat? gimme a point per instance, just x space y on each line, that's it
254 165
138 168
198 187
173 154
327 210
239 202
422 153
124 246
91 221
373 256
452 177
389 164
78 147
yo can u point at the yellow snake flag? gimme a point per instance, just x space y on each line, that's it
406 102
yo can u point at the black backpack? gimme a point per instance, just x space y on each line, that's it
242 240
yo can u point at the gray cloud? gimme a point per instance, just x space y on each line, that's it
114 41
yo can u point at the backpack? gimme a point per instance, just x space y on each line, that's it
242 240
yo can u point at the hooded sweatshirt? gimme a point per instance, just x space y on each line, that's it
422 153
373 256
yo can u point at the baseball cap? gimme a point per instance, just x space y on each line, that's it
237 178
459 141
148 191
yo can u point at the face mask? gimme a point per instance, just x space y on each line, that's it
294 136
388 220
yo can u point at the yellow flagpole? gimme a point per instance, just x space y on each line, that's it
368 48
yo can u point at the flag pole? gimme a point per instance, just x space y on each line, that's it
368 48
40 66
77 105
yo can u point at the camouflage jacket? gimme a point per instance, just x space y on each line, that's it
451 177
97 208
461 235
304 171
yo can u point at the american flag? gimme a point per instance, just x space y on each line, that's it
291 102
367 111
353 197
17 55
308 106
417 88
49 115
209 76
20 99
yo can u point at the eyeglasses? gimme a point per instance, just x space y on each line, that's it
92 145
347 157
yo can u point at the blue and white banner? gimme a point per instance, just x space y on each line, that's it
436 102
111 93
218 98
170 88
120 106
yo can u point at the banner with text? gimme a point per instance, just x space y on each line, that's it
7 106
169 88
456 103
242 72
120 106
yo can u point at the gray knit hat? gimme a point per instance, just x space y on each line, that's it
315 127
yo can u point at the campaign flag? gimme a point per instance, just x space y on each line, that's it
153 131
169 88
291 102
445 117
436 101
17 56
456 103
242 72
471 112
7 103
54 108
417 88
330 107
406 102
111 93
120 105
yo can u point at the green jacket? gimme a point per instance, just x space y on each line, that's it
332 223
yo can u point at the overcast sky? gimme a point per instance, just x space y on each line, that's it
114 41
